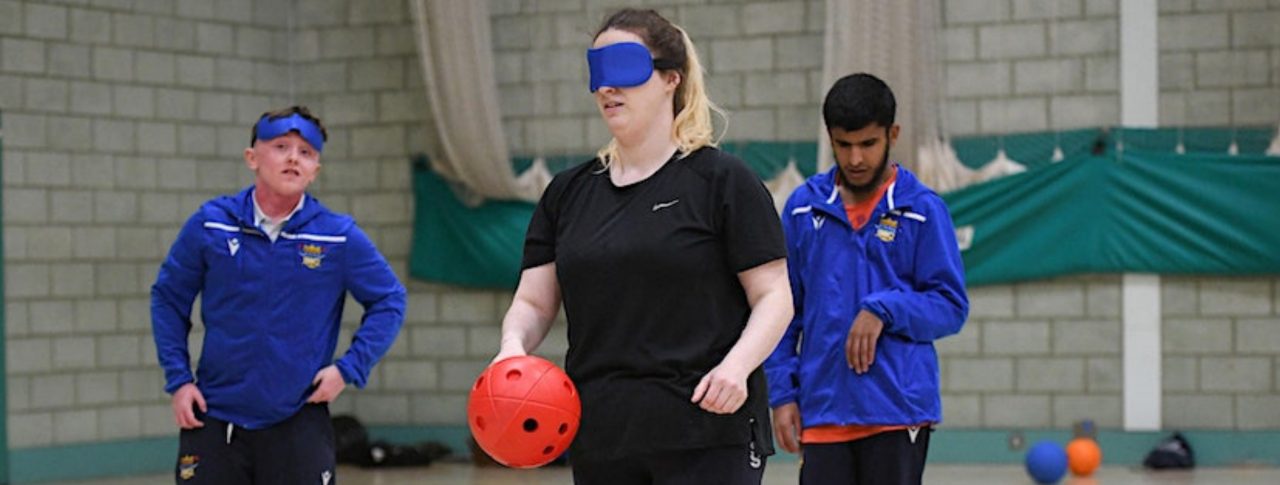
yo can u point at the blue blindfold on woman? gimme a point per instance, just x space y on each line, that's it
623 65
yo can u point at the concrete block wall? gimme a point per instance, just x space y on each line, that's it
1036 355
103 164
1047 354
120 118
104 161
1219 63
1221 353
1024 65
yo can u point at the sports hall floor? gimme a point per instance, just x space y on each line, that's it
776 474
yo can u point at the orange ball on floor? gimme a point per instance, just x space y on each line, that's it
1083 456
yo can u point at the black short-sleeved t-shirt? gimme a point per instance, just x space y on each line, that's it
648 274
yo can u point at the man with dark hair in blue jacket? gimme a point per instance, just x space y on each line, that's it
272 267
876 278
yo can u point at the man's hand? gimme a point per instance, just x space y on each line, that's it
508 350
182 402
721 391
329 384
860 347
786 426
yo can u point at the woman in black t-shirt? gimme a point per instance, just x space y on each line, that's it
669 259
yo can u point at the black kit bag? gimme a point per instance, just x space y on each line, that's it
1173 452
351 442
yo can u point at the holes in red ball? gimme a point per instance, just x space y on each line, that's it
568 387
530 425
564 428
479 382
480 422
548 450
513 375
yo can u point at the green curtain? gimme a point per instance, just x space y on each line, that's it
1121 200
466 246
1134 212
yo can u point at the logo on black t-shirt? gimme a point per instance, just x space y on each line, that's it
663 205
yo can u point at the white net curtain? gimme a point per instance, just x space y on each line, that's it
898 42
458 75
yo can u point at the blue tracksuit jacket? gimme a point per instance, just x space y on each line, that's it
271 311
904 266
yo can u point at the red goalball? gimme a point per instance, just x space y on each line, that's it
523 411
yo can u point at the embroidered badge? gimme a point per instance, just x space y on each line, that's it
311 254
887 228
187 466
233 245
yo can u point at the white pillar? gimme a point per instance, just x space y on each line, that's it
1139 107
1139 63
1142 354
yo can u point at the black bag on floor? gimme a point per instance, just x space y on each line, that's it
351 442
383 454
350 439
1172 453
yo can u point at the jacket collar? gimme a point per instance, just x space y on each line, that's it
825 196
241 208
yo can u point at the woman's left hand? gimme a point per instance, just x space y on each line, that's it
723 390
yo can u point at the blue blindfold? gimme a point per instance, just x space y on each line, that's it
267 129
622 65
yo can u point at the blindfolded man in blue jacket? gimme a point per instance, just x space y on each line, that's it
272 267
876 278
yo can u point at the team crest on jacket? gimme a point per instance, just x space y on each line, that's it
187 466
311 254
887 229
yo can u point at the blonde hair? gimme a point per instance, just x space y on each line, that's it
693 127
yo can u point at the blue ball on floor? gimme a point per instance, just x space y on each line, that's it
1046 462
